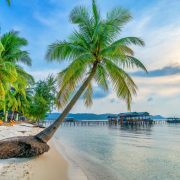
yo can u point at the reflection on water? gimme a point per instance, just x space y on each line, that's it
124 153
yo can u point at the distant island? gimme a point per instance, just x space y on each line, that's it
91 116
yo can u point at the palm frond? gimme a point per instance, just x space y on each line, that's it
64 50
115 20
79 15
116 51
130 41
26 76
1 48
131 62
101 77
118 17
96 12
69 79
88 96
13 45
122 82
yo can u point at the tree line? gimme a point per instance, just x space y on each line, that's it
19 93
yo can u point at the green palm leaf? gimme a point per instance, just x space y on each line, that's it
88 96
122 82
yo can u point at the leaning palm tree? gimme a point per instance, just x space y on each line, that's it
95 52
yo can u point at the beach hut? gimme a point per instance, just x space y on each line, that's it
135 117
130 118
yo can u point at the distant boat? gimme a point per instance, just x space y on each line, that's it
173 120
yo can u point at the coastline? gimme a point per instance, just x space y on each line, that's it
75 172
51 165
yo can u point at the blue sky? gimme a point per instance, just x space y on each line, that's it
156 21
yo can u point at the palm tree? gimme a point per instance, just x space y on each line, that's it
17 96
95 52
8 75
12 76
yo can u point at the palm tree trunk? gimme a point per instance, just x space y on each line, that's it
12 115
17 116
6 116
47 133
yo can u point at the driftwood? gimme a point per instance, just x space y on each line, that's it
22 147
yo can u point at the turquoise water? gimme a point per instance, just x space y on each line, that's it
117 153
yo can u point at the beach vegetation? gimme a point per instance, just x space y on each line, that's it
14 80
43 99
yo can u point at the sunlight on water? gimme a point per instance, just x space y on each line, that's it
124 153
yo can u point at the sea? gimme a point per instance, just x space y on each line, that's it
123 152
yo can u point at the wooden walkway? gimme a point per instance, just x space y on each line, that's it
101 123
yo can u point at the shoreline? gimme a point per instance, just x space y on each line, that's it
75 172
50 165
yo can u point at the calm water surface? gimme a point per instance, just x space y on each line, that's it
124 153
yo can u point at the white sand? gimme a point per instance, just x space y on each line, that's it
49 166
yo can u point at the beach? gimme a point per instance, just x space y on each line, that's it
51 165
99 153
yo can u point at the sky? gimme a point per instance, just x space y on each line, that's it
157 22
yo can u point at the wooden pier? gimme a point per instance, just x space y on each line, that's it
100 123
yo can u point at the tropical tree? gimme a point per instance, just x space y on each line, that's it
8 75
95 52
47 90
17 96
43 99
38 108
13 79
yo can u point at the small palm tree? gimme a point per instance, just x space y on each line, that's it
11 74
17 96
95 52
8 75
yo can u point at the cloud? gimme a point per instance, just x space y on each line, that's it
165 71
